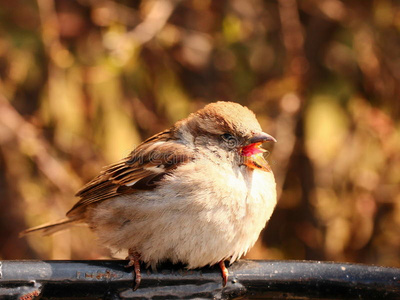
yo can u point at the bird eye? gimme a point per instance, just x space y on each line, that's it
226 136
230 139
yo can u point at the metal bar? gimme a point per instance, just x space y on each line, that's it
109 279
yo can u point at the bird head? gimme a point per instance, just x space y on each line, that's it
231 127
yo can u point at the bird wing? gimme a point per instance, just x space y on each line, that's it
141 170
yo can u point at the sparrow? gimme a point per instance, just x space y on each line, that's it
198 193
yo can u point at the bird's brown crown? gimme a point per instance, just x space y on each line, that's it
224 117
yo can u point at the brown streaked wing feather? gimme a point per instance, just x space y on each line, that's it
141 170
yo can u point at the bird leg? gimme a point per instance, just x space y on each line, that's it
224 272
134 260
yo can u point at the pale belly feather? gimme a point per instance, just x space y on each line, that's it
189 220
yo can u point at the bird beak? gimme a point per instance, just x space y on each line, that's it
253 153
261 138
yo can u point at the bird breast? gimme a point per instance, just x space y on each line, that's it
200 214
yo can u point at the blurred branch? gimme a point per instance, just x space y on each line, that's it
293 38
292 102
51 31
285 125
334 10
37 147
154 21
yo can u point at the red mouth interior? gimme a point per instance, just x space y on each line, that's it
252 149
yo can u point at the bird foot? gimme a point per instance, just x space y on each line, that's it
225 273
134 260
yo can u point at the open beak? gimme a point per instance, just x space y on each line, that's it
253 153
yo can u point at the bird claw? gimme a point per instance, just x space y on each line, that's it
134 260
225 273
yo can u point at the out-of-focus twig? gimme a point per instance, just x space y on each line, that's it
285 125
154 21
50 28
291 103
39 149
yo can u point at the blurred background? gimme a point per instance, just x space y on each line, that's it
82 82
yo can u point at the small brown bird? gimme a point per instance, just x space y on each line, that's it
198 193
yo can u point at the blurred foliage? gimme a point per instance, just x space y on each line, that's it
82 82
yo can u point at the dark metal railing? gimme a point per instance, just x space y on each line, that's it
250 279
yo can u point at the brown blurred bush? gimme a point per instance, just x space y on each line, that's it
83 82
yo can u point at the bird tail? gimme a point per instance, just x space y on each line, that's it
47 229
